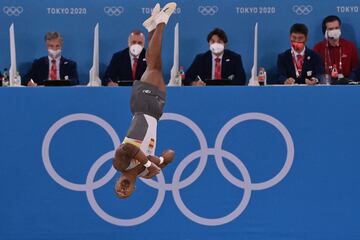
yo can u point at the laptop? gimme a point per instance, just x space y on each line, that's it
57 83
214 82
341 81
125 83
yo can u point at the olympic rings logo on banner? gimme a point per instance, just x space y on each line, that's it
208 10
114 11
302 9
246 184
13 11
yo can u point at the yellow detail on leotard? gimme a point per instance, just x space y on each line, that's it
135 142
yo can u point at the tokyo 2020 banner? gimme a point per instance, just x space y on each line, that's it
76 21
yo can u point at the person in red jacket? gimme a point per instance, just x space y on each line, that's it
338 54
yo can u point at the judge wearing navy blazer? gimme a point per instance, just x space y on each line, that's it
299 64
217 63
128 64
52 67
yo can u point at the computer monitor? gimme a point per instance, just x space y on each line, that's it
56 83
220 82
125 83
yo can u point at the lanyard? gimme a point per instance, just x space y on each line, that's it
328 62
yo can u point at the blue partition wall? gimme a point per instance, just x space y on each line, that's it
251 163
76 20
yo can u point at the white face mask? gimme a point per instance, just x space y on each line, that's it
216 48
333 34
54 53
136 49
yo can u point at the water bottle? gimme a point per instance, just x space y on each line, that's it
17 80
334 74
182 74
262 76
5 81
177 80
327 79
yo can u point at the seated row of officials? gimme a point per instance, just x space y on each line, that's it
333 56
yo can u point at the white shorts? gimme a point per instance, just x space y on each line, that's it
142 133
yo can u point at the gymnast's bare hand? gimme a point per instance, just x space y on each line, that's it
153 170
